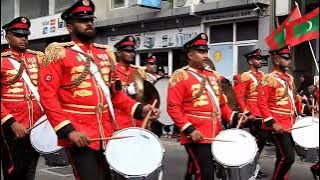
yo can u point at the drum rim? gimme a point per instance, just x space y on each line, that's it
37 149
140 175
294 134
242 165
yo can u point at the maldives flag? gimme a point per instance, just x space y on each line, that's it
277 39
304 29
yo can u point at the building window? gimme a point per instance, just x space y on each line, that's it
221 33
61 5
247 30
34 8
119 4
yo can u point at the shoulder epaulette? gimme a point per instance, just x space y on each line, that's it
245 77
140 70
270 80
177 76
55 51
5 54
101 46
108 49
40 55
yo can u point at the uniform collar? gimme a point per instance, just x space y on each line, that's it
83 46
195 70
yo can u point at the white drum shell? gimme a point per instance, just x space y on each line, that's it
136 156
43 138
307 137
162 86
238 153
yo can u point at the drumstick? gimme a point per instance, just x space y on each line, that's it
42 121
241 119
219 140
290 129
146 119
109 138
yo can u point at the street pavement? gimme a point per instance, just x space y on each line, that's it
175 165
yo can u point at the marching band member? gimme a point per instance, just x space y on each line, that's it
78 91
196 105
151 69
126 72
279 108
19 108
246 94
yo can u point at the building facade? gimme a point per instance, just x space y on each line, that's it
234 27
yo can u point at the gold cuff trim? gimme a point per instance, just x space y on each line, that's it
185 126
133 109
3 120
61 125
267 119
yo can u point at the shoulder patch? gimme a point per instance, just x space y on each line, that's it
244 77
177 76
270 80
101 46
55 51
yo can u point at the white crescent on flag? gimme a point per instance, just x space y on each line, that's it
310 25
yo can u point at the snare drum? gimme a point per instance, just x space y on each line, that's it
307 137
138 156
238 153
43 138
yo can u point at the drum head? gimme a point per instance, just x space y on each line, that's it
44 139
162 87
238 153
307 137
136 156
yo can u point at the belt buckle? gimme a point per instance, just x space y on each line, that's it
27 97
100 108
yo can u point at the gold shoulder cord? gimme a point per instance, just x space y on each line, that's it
16 78
83 74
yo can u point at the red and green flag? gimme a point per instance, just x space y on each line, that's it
304 29
277 39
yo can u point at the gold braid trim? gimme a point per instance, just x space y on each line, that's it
270 80
5 54
16 78
177 76
244 77
55 51
140 70
83 75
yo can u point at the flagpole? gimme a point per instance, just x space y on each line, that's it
314 57
312 52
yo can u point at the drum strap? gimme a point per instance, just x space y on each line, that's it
214 98
254 79
27 80
94 70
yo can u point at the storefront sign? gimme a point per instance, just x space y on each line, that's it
44 27
230 15
161 39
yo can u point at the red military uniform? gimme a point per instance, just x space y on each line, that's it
83 106
124 74
275 103
246 92
189 104
16 98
